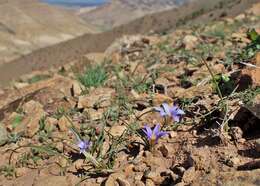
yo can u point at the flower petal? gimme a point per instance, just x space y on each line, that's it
161 110
159 135
156 129
162 133
148 131
176 118
83 145
180 112
166 108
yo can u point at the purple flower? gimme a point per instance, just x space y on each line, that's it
83 145
175 112
154 135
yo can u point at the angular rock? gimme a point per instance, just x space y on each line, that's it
50 123
116 179
32 107
195 91
3 135
98 98
249 77
19 85
224 178
33 114
257 58
76 88
94 114
164 149
236 133
139 183
189 175
255 106
158 99
97 58
64 124
51 180
121 43
137 68
240 37
240 17
79 164
149 182
155 176
190 42
257 144
21 171
117 130
255 10
122 182
11 99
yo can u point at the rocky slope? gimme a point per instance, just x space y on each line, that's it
159 23
27 25
88 122
118 12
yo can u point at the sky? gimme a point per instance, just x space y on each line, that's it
76 3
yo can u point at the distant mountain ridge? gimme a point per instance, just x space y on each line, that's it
76 3
27 25
118 12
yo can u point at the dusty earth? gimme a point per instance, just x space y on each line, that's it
210 71
65 52
122 12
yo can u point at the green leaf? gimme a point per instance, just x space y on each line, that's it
253 35
17 121
225 78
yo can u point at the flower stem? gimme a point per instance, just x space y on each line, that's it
90 158
213 78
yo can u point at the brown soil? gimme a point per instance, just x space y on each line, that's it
68 51
216 141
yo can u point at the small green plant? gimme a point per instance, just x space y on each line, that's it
225 84
8 171
59 113
38 78
252 48
218 31
17 121
247 95
140 84
166 47
14 137
94 76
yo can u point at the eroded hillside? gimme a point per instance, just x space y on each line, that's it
27 25
118 12
194 13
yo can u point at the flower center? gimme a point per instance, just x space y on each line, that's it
153 139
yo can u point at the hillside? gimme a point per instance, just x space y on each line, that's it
27 25
159 23
118 12
180 108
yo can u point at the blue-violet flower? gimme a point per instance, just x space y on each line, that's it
83 145
175 112
154 135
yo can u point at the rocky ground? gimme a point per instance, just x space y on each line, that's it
83 124
201 11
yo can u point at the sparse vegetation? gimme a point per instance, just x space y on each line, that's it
38 78
94 76
161 113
